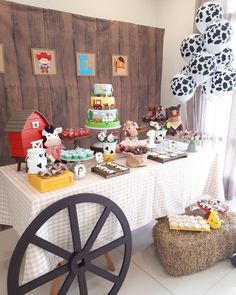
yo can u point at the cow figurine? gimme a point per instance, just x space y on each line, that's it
52 142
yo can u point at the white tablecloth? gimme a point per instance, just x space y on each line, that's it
145 193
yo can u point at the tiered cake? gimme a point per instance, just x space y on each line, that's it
102 113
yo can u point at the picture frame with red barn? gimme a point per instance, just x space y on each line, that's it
25 131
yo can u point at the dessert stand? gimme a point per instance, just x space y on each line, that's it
99 146
76 140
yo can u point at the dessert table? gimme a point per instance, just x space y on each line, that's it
143 194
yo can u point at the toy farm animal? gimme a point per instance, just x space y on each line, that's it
214 220
52 142
131 130
174 119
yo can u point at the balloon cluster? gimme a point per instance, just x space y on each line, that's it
208 56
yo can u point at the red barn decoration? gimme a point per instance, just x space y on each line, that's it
25 131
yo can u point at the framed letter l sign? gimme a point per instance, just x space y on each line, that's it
86 64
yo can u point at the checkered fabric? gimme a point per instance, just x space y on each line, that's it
145 193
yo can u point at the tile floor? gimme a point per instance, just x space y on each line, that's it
145 275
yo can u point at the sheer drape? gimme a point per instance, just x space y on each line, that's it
230 155
217 116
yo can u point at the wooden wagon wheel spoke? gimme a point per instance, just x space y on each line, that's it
74 228
23 289
107 248
102 273
83 288
67 283
80 260
97 229
48 246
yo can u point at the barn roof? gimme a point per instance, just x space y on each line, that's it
18 119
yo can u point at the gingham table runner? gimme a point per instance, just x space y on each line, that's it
145 193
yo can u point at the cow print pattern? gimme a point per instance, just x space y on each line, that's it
218 33
225 57
207 13
203 64
206 90
160 137
182 85
185 70
191 45
224 81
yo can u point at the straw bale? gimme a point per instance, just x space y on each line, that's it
186 252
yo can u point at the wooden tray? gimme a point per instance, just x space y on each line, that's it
163 160
117 172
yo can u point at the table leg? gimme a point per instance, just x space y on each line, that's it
110 264
56 283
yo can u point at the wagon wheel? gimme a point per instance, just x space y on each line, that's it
78 262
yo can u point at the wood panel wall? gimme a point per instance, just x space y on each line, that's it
64 98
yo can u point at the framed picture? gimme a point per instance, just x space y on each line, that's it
120 65
44 61
86 64
2 63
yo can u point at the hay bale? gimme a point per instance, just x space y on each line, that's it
185 252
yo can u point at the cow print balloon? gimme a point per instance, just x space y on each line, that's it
191 45
207 91
217 35
223 81
185 70
183 87
224 58
202 67
207 13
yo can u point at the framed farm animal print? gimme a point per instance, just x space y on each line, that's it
119 65
86 64
2 63
44 61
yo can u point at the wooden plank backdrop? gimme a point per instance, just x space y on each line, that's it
64 98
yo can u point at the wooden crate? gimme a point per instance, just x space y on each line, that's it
52 183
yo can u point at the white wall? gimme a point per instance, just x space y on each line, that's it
135 11
177 17
174 15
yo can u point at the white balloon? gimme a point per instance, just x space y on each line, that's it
191 45
224 58
185 70
217 35
207 13
183 87
202 66
223 81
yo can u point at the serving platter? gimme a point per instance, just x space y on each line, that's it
166 155
110 169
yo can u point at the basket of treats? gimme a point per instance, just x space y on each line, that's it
136 155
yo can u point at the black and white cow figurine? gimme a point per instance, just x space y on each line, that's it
52 142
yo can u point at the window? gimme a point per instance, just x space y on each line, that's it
35 124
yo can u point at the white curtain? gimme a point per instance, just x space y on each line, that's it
230 153
217 116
